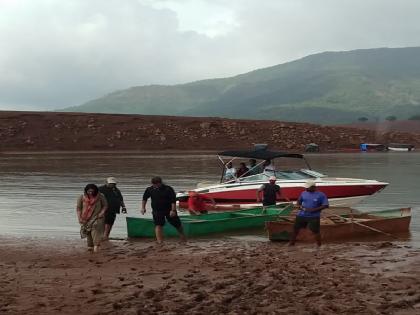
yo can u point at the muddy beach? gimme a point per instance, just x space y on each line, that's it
229 276
232 276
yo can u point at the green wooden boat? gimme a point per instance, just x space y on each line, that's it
210 223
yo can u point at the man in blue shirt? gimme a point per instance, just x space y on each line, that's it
311 202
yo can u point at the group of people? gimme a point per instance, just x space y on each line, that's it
231 173
310 203
98 206
97 209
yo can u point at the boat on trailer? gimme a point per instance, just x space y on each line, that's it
240 192
205 224
349 225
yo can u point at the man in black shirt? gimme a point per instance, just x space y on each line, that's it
163 207
115 202
271 192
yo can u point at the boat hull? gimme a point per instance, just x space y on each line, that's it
209 223
400 149
234 196
387 221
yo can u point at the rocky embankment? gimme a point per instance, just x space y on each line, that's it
40 131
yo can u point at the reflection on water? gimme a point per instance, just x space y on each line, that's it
38 192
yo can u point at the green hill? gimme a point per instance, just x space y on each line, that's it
330 87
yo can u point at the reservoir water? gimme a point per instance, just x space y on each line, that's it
38 192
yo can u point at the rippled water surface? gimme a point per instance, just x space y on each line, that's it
39 191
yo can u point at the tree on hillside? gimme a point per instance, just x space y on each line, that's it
391 118
362 119
415 117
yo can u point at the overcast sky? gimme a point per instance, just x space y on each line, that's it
59 53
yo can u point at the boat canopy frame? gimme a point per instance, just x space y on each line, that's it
260 154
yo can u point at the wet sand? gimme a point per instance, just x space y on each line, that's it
229 276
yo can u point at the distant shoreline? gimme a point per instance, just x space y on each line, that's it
59 132
108 152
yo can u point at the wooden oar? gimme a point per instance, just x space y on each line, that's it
363 225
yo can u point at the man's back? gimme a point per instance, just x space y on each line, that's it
113 196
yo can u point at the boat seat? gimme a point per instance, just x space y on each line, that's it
336 219
364 220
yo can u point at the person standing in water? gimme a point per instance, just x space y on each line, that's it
90 209
163 207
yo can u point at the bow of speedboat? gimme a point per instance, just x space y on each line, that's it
369 186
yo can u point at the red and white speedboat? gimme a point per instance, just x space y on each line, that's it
241 192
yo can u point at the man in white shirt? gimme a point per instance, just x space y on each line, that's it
230 172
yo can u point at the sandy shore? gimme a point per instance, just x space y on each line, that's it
230 276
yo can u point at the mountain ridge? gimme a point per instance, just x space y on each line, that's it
372 83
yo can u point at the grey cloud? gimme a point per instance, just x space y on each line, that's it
61 53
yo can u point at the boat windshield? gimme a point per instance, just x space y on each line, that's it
282 175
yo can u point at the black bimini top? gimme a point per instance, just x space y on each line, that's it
260 154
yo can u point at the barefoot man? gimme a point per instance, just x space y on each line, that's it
310 202
163 207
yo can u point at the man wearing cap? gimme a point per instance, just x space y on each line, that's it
115 202
311 202
270 193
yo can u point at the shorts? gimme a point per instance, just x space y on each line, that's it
312 224
160 217
110 217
